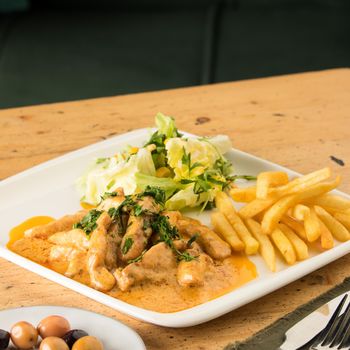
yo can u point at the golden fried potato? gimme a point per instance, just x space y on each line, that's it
311 223
269 179
266 249
245 195
276 211
225 206
327 241
299 245
299 184
226 231
284 245
255 207
295 225
343 218
337 229
333 201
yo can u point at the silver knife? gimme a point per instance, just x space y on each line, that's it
302 332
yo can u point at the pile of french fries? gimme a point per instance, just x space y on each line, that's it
288 215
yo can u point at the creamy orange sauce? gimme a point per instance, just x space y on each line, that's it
87 206
167 296
18 232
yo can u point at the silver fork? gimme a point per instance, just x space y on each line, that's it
336 334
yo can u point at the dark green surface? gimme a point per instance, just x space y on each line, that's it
276 37
272 337
50 57
63 50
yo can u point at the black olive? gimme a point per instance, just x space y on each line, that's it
4 339
72 336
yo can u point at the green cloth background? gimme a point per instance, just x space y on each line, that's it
60 50
272 337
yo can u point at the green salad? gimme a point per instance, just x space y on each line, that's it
191 170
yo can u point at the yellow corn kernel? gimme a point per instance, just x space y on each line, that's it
134 150
163 172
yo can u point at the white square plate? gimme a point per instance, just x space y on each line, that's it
49 189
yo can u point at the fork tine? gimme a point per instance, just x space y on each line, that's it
342 328
319 337
346 339
331 325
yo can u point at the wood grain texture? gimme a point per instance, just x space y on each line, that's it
298 121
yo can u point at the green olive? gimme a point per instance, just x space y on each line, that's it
53 343
24 335
53 326
87 343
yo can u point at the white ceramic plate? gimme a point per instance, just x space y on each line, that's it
48 189
113 334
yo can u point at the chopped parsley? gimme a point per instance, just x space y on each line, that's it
137 259
109 194
138 210
127 245
168 234
156 192
244 177
101 160
191 240
88 222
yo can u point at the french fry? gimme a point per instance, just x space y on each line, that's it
331 201
298 244
327 241
300 183
269 179
300 212
224 204
295 225
266 249
255 207
311 223
284 246
343 218
337 229
245 195
226 231
312 226
277 210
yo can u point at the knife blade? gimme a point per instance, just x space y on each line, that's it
303 331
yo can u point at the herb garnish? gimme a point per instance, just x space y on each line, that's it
137 259
127 245
100 160
168 234
88 222
186 160
109 194
244 177
191 240
138 210
156 192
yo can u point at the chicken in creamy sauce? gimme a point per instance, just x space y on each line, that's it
132 249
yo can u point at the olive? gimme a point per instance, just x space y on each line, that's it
4 339
53 326
72 336
24 335
53 343
87 343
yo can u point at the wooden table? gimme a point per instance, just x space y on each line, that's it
298 121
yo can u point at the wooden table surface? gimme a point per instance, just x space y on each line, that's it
298 121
